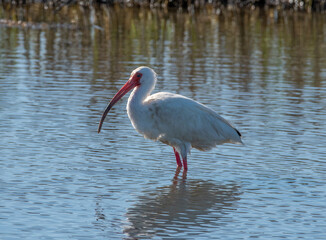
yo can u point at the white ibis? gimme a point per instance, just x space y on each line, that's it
172 119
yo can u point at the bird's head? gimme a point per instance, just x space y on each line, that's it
142 76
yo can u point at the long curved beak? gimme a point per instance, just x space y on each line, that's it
132 83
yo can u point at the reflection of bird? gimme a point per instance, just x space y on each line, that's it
183 208
171 118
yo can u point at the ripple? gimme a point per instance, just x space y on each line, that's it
60 179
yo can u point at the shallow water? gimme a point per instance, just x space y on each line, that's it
265 72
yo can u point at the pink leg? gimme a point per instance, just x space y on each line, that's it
185 165
177 171
177 158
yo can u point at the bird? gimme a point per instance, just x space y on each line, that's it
172 119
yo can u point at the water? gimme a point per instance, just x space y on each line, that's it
265 72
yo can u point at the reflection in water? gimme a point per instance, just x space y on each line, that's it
183 205
263 70
246 47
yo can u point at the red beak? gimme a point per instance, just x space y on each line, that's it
130 84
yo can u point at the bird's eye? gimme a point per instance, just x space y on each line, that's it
138 75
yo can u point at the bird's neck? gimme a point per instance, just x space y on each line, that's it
136 108
139 94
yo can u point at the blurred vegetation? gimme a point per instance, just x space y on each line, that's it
251 46
187 5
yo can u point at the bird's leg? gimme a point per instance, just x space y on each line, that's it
185 166
177 158
184 174
177 171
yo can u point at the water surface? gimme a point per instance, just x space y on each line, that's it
263 71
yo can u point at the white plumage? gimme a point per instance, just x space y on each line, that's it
171 118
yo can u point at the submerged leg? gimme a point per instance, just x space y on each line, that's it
177 158
185 165
177 171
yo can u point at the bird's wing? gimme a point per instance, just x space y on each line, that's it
178 117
